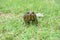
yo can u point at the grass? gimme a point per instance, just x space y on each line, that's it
11 22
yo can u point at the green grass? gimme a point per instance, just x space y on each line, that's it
12 27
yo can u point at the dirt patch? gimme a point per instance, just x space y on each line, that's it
10 15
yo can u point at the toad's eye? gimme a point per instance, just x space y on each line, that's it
27 12
32 12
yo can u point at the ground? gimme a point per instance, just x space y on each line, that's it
11 20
